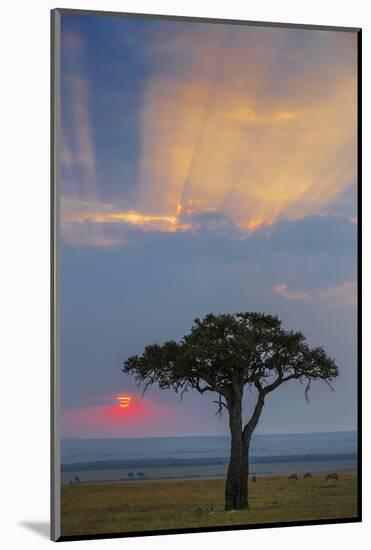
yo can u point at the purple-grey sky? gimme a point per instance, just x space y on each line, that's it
204 168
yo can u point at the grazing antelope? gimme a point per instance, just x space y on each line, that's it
253 479
293 476
332 476
307 475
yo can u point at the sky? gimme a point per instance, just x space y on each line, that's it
203 168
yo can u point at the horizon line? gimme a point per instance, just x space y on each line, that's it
354 430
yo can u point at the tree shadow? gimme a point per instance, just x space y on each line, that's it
41 528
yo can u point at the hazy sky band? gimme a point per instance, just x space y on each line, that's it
203 168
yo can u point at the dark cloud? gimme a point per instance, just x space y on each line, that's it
345 204
313 251
115 300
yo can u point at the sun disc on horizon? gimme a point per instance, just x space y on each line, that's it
124 401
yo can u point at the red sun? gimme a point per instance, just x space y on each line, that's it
124 401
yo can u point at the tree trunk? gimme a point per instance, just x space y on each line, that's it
249 430
246 438
236 487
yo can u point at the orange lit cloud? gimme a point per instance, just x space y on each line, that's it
344 294
246 122
284 291
220 135
98 214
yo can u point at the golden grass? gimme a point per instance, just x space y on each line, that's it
152 505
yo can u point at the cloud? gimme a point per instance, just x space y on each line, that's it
247 128
284 291
306 255
116 300
343 294
213 234
257 123
316 234
78 171
344 205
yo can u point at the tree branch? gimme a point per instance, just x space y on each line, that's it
201 389
220 404
279 380
252 423
306 391
263 391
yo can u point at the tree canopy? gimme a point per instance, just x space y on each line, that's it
224 353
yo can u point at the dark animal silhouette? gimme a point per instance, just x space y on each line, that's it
293 476
253 479
332 476
307 475
77 479
141 474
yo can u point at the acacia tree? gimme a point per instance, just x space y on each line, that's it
226 354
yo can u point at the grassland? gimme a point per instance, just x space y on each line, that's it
155 505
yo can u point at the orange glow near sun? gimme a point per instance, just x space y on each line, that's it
124 401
